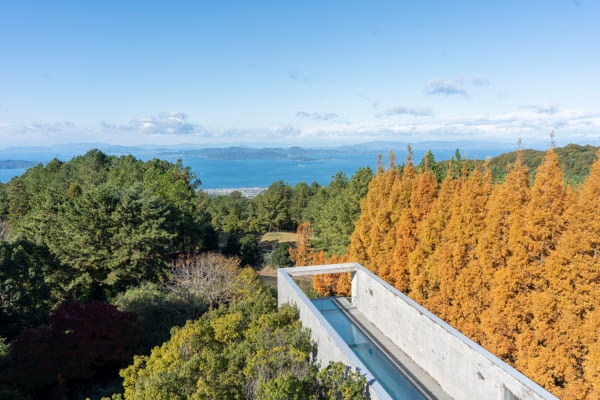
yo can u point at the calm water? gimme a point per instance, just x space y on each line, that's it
386 373
217 174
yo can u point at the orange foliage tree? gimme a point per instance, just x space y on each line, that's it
303 254
514 266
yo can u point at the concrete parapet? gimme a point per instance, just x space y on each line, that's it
331 347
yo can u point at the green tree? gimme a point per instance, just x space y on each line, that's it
30 280
280 257
113 239
4 207
158 310
340 382
227 353
248 349
245 248
271 209
300 200
229 213
337 209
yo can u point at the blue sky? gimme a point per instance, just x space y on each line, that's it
298 72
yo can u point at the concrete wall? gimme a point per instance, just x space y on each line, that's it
331 347
463 369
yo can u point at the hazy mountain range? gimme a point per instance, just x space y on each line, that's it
23 157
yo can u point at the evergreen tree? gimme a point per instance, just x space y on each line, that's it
112 239
271 209
336 210
229 213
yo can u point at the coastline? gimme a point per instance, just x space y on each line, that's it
248 192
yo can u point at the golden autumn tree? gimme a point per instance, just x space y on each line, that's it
424 193
461 285
582 247
515 266
543 225
425 277
532 235
505 208
393 263
303 252
590 385
567 311
373 238
339 284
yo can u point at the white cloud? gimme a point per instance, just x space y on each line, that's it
528 123
54 127
316 116
401 110
547 108
169 123
445 88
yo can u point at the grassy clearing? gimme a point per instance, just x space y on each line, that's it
279 237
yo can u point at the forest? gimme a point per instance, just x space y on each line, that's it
122 279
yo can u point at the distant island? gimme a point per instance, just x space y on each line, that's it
441 149
13 164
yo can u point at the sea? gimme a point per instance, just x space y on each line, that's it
221 174
254 173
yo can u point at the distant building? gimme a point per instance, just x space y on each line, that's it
245 192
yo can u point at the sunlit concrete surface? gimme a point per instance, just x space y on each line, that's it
448 363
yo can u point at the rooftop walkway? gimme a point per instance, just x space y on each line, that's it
403 361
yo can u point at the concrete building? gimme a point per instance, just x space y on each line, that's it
447 363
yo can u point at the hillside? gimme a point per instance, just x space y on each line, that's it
575 161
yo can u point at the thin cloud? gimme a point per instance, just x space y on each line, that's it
481 81
171 123
316 115
298 76
532 127
548 109
401 110
284 131
55 127
445 88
